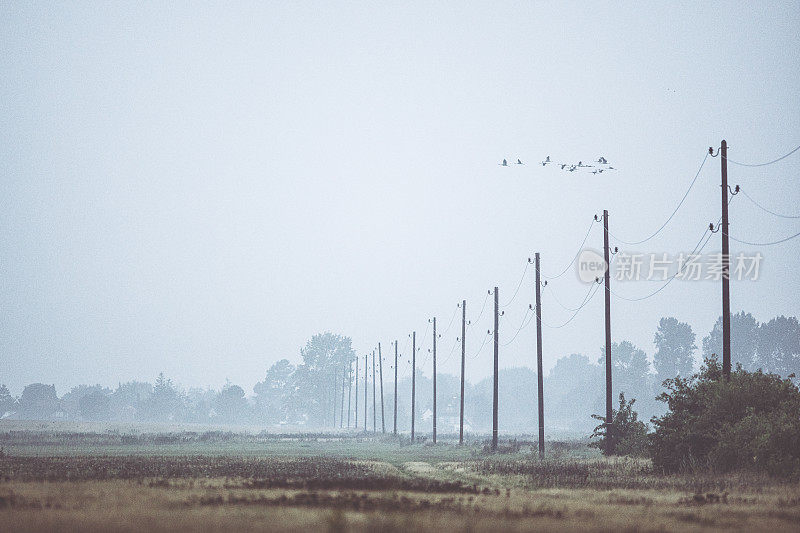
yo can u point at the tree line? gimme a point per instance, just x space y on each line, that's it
311 393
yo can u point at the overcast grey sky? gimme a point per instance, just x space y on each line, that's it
200 187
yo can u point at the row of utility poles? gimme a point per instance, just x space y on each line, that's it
609 419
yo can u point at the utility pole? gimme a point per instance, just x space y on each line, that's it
496 367
434 380
463 353
607 276
380 365
395 387
374 410
341 411
539 378
356 421
349 391
335 378
366 395
413 380
726 266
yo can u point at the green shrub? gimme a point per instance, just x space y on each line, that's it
751 421
629 435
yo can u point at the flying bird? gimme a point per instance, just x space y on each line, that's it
602 160
563 165
519 162
504 163
547 160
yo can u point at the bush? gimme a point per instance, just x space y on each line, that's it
751 421
629 435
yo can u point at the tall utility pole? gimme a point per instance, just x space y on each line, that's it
539 372
374 403
496 367
463 353
349 391
726 267
380 365
413 380
395 387
356 421
434 380
335 378
607 276
366 395
341 411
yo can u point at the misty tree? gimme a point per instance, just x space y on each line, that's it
165 404
631 374
778 349
70 402
275 396
38 401
573 391
323 355
199 403
675 349
96 405
744 340
7 402
230 404
128 400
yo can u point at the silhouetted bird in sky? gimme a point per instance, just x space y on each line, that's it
602 160
519 162
572 168
600 170
563 165
504 163
594 172
546 160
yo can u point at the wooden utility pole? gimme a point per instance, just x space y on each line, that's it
349 391
726 266
413 380
366 395
356 420
539 371
463 353
496 367
607 278
395 387
335 378
380 366
341 411
374 403
434 380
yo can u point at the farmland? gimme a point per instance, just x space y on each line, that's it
56 478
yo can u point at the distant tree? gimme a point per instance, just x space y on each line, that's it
199 404
231 405
779 346
674 349
275 395
70 402
95 406
39 401
165 404
129 399
744 340
573 390
7 402
323 355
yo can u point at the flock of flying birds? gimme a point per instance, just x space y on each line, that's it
598 167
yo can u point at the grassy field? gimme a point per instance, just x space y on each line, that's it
62 478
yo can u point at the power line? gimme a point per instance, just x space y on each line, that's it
483 307
764 208
485 337
764 243
762 164
452 318
521 326
527 263
673 212
589 295
580 248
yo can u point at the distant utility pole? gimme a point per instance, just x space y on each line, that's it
496 367
539 378
380 365
374 403
366 364
349 391
434 380
726 266
463 342
356 421
413 380
607 276
341 411
395 387
335 378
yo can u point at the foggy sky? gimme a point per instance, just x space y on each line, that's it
198 188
